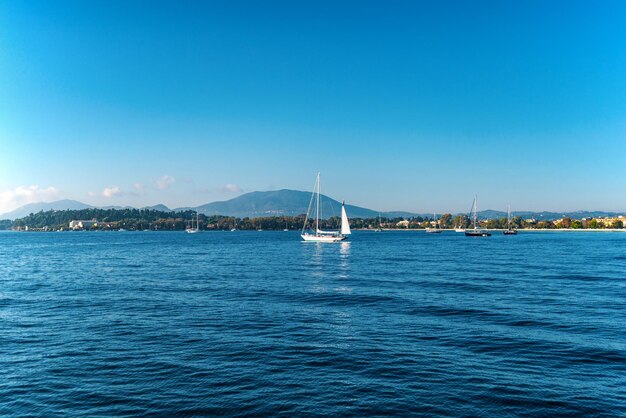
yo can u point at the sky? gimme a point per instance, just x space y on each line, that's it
412 106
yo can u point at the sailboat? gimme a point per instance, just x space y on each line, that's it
436 229
191 229
286 228
234 228
457 226
317 234
476 231
509 229
380 225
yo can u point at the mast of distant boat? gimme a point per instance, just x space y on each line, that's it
475 210
317 206
508 217
509 230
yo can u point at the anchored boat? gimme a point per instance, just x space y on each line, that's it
435 229
380 225
509 229
476 231
191 229
314 233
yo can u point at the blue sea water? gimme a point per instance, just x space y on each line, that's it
259 323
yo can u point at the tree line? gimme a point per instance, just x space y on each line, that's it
149 219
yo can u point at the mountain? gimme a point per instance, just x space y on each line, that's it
291 203
68 204
160 207
280 203
579 214
45 206
114 207
548 216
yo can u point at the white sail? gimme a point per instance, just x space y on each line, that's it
345 225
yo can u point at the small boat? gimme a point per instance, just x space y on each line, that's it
191 229
476 231
509 229
286 229
436 229
234 228
380 225
317 235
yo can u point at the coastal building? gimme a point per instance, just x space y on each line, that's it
611 222
82 224
403 224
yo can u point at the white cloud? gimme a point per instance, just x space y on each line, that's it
164 182
139 186
12 198
112 192
231 188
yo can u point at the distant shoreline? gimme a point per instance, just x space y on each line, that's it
133 219
500 229
297 230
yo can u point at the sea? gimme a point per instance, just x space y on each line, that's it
252 323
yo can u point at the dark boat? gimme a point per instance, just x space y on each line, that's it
509 230
476 231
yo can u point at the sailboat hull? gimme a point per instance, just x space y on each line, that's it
477 233
323 238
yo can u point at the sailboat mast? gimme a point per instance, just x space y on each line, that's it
508 218
317 207
475 211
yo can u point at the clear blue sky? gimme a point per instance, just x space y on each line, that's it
401 105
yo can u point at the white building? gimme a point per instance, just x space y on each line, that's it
82 224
